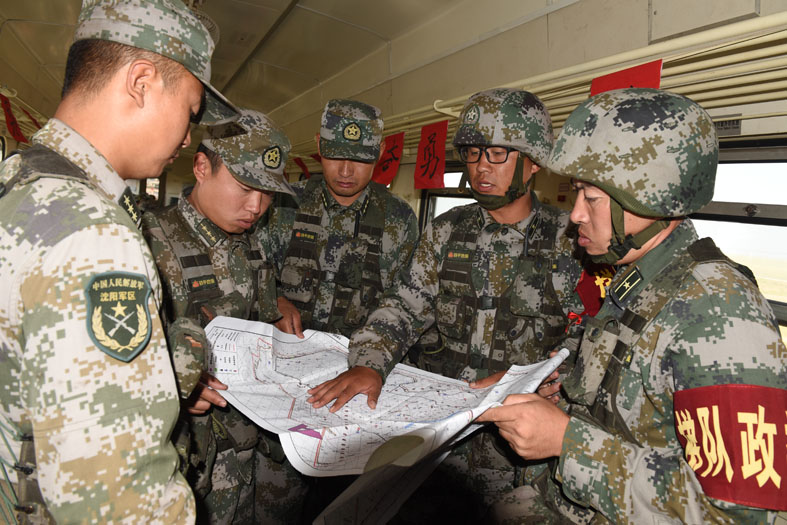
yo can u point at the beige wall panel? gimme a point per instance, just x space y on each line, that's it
670 18
504 58
402 186
769 7
594 29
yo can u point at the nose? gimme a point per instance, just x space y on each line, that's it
186 139
579 211
346 168
254 203
483 162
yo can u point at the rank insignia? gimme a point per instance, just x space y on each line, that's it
352 132
118 320
209 232
129 203
272 157
472 115
629 283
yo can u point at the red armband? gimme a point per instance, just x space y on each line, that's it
735 439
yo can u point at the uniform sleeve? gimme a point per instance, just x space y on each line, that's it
406 310
274 235
399 240
715 336
101 426
186 339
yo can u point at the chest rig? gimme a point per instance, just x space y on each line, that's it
607 348
201 283
356 279
529 320
28 505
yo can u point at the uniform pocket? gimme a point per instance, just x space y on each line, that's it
452 316
297 284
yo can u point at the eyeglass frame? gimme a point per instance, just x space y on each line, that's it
464 147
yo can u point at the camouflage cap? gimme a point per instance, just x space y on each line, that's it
507 117
165 27
350 130
653 151
255 157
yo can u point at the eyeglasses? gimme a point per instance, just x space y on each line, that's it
494 154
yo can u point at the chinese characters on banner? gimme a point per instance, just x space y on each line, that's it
642 76
734 437
430 163
388 165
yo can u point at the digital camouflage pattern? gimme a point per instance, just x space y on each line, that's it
207 272
257 157
350 130
653 151
165 27
334 262
501 302
696 324
507 117
100 426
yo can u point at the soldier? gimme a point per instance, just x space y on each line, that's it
496 278
88 397
342 246
211 265
684 359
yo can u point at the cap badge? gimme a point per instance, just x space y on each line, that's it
472 115
272 157
352 131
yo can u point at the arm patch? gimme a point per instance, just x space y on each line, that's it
734 437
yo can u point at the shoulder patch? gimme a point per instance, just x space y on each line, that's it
628 284
734 439
118 319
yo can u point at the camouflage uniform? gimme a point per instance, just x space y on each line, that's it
681 326
498 295
334 261
88 397
208 272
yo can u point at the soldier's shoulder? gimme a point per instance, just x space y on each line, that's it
396 208
557 215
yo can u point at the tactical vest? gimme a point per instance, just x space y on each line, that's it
196 267
528 315
39 162
607 345
357 282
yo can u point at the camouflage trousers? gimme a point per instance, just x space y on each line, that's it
281 491
543 504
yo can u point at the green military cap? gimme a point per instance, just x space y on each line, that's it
653 151
253 149
506 117
351 130
165 27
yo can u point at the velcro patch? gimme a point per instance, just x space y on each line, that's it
735 439
305 235
118 320
204 282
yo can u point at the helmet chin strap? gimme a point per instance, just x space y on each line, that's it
516 189
621 243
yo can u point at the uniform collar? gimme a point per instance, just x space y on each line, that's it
101 176
359 205
529 224
210 234
631 279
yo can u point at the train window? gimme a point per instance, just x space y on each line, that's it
748 221
437 202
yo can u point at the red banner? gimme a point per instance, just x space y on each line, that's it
31 118
734 438
316 158
302 166
430 164
10 120
643 76
388 166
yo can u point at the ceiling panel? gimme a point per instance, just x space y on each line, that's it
264 87
60 11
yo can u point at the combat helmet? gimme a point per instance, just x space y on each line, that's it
655 153
253 149
506 117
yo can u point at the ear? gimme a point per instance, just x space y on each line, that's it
201 167
534 168
382 152
317 140
140 78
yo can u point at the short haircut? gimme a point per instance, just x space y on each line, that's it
213 157
92 63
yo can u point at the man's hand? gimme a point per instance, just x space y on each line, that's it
290 321
550 388
488 381
205 396
345 386
532 425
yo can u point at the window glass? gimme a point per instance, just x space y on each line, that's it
752 182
